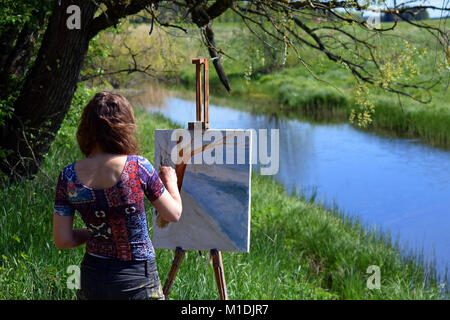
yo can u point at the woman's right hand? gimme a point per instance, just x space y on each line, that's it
168 177
168 205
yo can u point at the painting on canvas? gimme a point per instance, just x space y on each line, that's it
215 189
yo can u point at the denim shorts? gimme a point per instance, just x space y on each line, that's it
112 279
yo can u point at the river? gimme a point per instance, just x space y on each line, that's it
394 184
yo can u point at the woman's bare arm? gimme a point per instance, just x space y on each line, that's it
169 204
64 235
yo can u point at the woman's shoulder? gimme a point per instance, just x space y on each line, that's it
68 172
143 163
138 158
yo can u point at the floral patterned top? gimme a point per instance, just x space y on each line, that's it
115 217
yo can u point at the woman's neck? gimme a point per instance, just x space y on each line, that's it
97 152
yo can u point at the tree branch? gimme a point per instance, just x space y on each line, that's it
117 10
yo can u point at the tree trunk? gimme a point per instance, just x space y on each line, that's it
16 63
47 91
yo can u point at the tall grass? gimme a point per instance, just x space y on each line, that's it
299 250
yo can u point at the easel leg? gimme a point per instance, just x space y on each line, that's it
179 253
218 271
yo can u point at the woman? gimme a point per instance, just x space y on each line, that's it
107 188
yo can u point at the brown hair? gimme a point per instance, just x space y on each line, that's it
107 121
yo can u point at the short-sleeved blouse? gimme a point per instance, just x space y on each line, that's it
115 217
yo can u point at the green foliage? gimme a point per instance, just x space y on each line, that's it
6 109
131 50
14 14
6 112
96 50
366 108
66 136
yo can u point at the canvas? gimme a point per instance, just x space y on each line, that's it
215 194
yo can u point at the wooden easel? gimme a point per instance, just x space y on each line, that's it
202 118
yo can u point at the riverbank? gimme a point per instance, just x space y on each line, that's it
303 98
256 74
292 91
298 249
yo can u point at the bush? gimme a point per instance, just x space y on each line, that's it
66 136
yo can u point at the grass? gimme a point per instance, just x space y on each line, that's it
298 249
